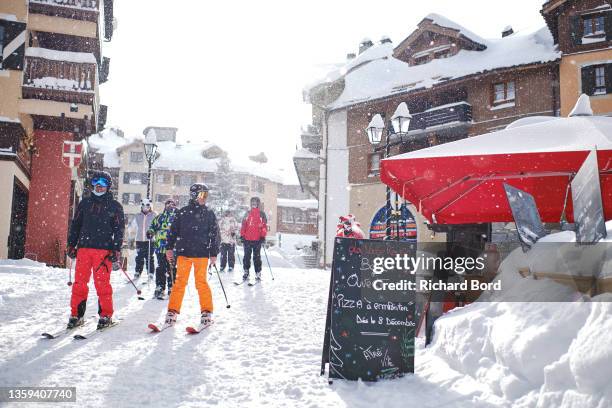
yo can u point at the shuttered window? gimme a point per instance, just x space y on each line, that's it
597 79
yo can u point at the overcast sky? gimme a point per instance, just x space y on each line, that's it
232 72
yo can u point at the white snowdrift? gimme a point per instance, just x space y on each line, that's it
534 354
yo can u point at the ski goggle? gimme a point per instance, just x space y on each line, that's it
202 194
145 205
99 181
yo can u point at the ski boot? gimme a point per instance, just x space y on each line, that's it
104 322
170 319
159 293
205 318
230 269
136 276
257 276
74 322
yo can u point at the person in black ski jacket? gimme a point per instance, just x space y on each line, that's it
194 240
95 239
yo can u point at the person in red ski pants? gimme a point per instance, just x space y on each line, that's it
95 239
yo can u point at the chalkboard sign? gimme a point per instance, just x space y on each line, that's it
369 333
586 197
526 217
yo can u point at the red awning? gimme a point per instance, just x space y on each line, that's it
462 182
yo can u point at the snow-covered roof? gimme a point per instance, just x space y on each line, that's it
262 170
184 157
106 143
304 154
301 204
377 74
580 133
442 21
79 57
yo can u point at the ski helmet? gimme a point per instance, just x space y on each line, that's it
196 189
102 178
256 201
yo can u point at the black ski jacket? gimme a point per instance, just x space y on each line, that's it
98 223
194 232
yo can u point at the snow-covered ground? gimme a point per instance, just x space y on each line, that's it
266 349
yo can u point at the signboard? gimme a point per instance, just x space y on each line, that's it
72 153
369 334
586 197
405 221
525 212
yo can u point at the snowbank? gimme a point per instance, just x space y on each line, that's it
301 204
532 353
79 57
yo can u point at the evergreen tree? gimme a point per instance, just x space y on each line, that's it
225 196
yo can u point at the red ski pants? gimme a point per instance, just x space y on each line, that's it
92 260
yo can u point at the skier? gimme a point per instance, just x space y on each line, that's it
158 232
95 239
194 236
253 234
141 224
228 228
348 227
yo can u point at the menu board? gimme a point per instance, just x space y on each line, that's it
369 333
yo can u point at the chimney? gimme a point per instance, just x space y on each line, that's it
350 56
365 44
507 31
385 40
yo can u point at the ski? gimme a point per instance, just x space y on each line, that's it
240 282
255 282
198 329
55 335
92 333
156 328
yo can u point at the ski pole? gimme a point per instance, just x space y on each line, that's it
70 272
138 291
268 261
149 263
237 254
221 282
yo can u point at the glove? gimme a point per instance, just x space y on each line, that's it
115 256
71 252
149 234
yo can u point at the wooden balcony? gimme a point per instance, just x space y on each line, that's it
60 76
86 10
458 113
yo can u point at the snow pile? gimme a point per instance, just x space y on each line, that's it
64 84
442 21
79 57
532 353
578 133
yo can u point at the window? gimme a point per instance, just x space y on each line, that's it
209 178
131 198
503 92
258 186
286 217
442 54
597 79
421 60
162 178
161 198
136 157
134 178
185 180
374 164
593 25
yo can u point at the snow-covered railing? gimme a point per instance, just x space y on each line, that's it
78 4
59 71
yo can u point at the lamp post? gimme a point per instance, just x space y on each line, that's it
400 121
150 149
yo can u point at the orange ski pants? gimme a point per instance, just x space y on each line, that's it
183 269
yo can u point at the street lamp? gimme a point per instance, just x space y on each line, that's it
150 149
400 122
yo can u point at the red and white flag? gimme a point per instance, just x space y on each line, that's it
72 153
